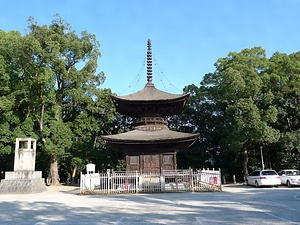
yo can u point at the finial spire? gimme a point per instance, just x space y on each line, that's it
149 63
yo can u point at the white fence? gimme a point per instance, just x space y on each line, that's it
136 182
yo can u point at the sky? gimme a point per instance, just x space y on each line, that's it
187 36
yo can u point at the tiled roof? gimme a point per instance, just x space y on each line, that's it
150 93
146 136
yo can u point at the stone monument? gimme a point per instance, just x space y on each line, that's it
24 178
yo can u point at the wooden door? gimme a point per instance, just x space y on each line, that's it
132 163
168 162
151 164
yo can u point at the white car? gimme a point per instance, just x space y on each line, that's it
266 177
290 177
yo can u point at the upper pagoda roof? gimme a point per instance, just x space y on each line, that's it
150 101
150 93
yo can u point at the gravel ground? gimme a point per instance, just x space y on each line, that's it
63 205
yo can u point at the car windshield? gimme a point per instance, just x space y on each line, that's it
270 172
292 173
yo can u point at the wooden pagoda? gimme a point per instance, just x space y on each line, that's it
151 146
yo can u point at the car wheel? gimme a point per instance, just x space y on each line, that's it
256 184
288 183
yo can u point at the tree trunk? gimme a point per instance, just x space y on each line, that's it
54 171
73 174
245 163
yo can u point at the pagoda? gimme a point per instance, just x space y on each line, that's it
151 146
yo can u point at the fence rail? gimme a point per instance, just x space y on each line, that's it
136 182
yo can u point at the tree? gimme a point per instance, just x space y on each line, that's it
199 116
95 120
237 94
7 97
15 122
59 70
285 84
8 117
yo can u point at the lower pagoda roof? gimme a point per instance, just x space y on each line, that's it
143 140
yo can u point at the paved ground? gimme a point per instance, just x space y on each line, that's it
235 205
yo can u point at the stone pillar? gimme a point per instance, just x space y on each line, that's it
25 153
24 178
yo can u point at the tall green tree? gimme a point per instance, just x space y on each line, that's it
8 116
199 116
59 70
16 121
97 119
238 96
7 97
285 84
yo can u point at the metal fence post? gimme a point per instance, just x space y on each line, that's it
81 183
108 180
191 180
136 182
162 182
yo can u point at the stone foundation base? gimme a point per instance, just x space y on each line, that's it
22 182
